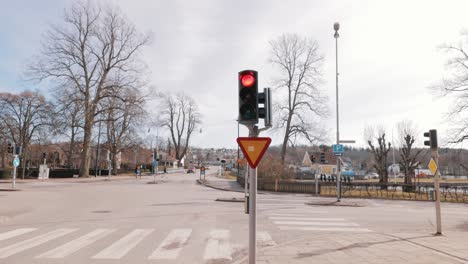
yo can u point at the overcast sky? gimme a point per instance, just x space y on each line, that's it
388 54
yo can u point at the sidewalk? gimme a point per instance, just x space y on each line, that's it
369 248
212 180
70 180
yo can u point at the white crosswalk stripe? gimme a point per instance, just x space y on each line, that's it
303 222
218 246
15 233
172 244
313 223
33 242
77 244
330 229
305 218
124 245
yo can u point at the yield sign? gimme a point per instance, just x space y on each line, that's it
253 148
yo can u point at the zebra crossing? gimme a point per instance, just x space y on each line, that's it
292 214
216 244
287 221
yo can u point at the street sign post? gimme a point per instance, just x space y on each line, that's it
253 148
16 163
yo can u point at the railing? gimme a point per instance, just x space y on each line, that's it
450 192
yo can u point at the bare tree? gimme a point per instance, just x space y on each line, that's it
409 156
456 87
123 117
69 124
94 53
299 65
23 115
181 117
380 152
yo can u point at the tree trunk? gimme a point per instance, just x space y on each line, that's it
114 161
84 163
285 140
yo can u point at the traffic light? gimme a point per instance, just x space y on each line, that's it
44 155
248 101
322 157
432 136
312 158
18 150
10 148
265 111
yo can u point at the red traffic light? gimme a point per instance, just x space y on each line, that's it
247 79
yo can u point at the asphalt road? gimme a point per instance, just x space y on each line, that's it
178 221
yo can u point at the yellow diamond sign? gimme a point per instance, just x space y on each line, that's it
432 166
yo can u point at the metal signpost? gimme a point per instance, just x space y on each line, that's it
16 163
253 148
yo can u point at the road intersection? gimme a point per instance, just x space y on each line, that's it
128 220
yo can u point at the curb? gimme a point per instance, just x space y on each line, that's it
336 204
9 190
217 188
232 200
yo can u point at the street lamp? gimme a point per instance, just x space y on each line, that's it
336 27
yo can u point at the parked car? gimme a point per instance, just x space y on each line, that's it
191 170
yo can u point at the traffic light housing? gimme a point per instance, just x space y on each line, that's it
265 111
10 148
312 158
322 157
432 136
18 150
44 155
248 97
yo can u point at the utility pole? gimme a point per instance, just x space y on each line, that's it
253 132
435 154
336 27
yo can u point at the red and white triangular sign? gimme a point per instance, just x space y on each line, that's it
253 148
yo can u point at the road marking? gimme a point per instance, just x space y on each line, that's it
303 210
304 218
33 242
16 232
218 246
77 244
172 244
124 245
314 223
287 214
264 239
331 229
281 204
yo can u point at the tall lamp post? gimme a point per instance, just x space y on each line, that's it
336 27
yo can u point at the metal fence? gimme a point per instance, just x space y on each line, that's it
450 192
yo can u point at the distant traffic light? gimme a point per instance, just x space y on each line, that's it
265 111
18 150
10 148
248 101
44 155
322 157
432 136
312 158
